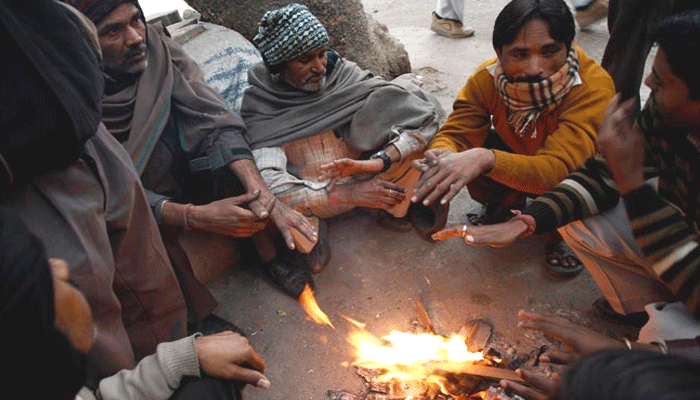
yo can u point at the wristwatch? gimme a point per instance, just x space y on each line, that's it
385 158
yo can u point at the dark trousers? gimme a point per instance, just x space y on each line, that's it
207 388
498 199
629 44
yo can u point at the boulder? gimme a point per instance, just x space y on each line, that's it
353 32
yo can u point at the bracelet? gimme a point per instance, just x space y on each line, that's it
185 220
528 219
385 159
627 343
662 346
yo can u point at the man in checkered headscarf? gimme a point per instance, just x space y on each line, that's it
327 135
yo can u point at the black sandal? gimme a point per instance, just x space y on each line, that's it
555 254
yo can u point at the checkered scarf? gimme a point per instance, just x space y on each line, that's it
526 100
288 32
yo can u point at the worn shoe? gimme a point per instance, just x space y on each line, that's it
593 12
428 219
388 221
638 319
290 271
449 27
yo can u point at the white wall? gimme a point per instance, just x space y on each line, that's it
156 6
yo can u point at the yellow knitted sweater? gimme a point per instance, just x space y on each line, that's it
565 135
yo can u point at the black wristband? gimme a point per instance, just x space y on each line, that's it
385 158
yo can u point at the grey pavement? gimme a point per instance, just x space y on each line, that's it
375 276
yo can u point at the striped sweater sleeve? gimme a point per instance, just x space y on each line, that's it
588 191
668 243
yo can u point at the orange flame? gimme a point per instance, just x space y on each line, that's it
308 302
412 357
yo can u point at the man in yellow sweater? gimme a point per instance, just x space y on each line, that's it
523 121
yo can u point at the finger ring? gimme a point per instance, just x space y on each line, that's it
427 183
390 192
464 230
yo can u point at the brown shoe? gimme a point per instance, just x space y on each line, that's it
449 27
592 13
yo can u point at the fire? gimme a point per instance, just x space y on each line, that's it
412 357
308 302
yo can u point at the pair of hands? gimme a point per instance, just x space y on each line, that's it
579 340
372 193
245 215
445 173
230 356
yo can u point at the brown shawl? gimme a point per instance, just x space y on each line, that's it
138 114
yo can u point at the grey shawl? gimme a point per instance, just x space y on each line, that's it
375 110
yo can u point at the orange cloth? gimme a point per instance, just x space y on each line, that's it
566 135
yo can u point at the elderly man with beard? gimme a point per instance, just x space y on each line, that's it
327 135
523 121
189 150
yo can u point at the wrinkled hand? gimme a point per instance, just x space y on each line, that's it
347 167
230 356
227 217
537 387
622 145
448 173
374 193
263 205
285 218
579 339
496 235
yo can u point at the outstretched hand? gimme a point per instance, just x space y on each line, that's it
537 386
496 235
445 173
579 339
344 167
286 218
230 356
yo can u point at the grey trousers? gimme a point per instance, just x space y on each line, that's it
605 245
95 215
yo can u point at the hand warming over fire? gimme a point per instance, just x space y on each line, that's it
496 235
537 387
348 167
579 339
445 173
230 356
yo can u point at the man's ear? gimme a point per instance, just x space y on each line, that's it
499 52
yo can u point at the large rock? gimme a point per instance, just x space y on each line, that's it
353 33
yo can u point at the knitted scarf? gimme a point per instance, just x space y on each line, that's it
527 100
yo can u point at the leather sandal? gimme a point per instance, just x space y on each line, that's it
290 272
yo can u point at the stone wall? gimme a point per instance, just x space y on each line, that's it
353 32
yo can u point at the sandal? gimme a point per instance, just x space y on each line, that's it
555 254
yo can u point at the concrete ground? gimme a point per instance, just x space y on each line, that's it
376 275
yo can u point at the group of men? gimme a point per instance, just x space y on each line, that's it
139 153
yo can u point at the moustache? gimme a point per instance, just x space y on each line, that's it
135 51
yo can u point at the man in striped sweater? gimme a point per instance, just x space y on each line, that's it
643 249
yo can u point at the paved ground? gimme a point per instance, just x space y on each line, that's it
376 275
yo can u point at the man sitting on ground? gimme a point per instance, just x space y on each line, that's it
523 121
327 135
186 144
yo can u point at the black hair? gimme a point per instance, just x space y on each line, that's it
518 12
679 37
632 375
